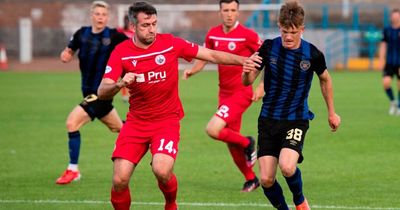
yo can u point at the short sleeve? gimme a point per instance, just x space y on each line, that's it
208 42
319 63
74 42
385 35
263 52
119 37
114 67
186 50
254 41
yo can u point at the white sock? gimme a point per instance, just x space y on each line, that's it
73 167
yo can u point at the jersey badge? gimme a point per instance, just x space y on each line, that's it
216 43
108 69
273 60
106 41
305 65
231 46
160 59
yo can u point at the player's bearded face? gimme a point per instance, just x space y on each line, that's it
291 36
146 28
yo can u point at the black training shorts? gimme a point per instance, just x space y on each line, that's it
391 70
273 135
96 108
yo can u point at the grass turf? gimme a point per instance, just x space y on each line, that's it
355 168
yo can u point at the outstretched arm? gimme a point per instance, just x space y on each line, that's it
198 66
219 57
250 71
259 91
325 82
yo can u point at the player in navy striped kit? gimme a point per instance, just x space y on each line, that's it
389 51
95 44
289 63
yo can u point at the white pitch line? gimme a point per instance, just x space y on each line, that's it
190 204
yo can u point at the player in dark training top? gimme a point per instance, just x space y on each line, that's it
389 51
289 63
95 44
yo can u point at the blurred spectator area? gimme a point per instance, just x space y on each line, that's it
329 23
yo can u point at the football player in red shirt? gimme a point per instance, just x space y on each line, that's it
234 97
150 64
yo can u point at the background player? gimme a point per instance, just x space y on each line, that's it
150 65
127 29
290 63
389 51
95 44
234 97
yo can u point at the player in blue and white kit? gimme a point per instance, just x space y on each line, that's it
289 64
389 51
95 44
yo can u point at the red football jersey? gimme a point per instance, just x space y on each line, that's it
154 94
241 41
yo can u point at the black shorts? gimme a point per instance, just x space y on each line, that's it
273 135
96 108
391 70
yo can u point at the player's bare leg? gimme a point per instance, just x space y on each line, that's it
162 166
120 194
272 189
387 86
112 121
288 164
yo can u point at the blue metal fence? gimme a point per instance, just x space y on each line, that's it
339 45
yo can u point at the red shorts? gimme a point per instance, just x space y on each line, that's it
231 108
136 137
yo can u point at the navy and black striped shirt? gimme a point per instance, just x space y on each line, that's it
392 37
94 51
287 79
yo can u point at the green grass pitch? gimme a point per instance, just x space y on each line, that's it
356 168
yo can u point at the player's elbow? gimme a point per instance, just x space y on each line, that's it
101 93
246 81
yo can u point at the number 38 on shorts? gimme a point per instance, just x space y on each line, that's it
295 136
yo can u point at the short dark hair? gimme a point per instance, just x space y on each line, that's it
227 1
396 10
139 7
291 15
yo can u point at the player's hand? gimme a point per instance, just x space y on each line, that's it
128 79
334 122
66 55
258 93
187 73
251 63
